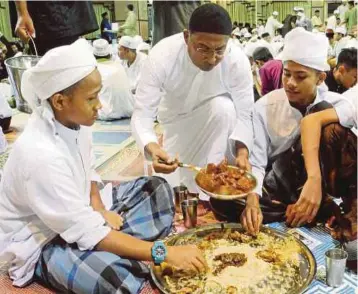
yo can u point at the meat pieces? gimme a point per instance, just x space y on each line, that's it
268 256
229 259
224 180
240 237
214 236
231 290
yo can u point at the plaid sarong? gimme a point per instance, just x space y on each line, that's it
147 208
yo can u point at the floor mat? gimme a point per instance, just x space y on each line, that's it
109 138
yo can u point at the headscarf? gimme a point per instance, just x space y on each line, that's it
57 70
306 48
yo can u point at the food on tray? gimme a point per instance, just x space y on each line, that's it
239 263
240 237
269 255
223 179
228 259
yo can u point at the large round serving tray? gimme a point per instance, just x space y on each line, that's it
230 197
307 265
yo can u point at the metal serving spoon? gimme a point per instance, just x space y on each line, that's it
183 165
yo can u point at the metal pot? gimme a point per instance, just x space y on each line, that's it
16 66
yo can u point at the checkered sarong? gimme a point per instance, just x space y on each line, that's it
147 208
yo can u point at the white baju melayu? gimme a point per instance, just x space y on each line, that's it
252 46
272 25
116 97
332 22
342 11
352 96
340 45
276 123
3 142
236 42
46 183
47 194
244 31
199 111
236 31
133 71
277 127
260 30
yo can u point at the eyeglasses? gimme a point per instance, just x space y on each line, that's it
209 52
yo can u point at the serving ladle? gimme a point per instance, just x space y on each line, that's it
183 165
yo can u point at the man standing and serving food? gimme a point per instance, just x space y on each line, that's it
276 157
200 86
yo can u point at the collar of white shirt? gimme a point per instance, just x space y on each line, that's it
68 135
318 98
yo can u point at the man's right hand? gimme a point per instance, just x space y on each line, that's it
24 27
161 160
251 217
187 258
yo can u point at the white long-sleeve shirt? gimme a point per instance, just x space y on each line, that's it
133 71
272 25
260 30
116 96
277 127
172 86
332 22
3 142
352 96
45 191
340 45
342 11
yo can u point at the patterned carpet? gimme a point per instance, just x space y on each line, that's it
109 138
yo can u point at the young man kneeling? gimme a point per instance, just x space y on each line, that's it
53 224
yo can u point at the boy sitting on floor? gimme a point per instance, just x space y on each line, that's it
285 190
53 224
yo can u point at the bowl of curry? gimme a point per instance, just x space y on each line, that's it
225 182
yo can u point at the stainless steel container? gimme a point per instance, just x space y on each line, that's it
180 194
335 266
190 212
15 67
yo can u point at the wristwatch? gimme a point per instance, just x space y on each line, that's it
159 252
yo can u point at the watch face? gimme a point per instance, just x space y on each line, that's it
160 251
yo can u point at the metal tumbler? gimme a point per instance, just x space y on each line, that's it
181 194
190 209
335 266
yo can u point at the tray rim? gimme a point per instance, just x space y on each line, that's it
279 233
